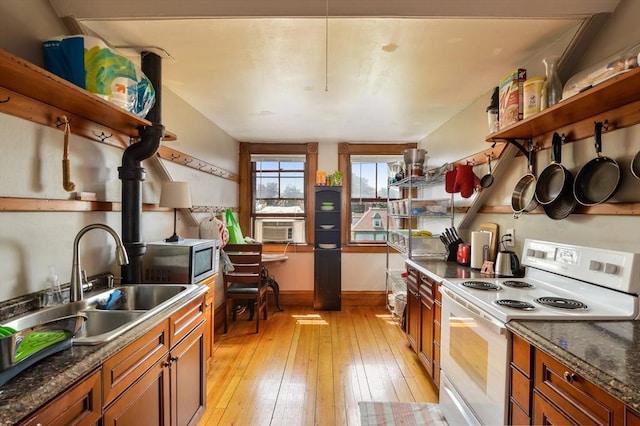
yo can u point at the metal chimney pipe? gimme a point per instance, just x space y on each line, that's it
133 174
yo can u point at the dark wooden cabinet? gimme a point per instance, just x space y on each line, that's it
327 249
412 310
425 346
437 317
81 405
543 391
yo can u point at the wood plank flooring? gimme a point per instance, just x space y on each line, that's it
309 367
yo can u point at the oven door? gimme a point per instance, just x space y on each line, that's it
475 357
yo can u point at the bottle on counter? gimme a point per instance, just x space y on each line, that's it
53 293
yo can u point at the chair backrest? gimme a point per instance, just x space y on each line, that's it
247 263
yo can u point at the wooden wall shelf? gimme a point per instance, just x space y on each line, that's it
15 204
616 100
25 83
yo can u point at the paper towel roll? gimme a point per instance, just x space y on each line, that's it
479 240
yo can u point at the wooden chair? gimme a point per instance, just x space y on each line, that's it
245 282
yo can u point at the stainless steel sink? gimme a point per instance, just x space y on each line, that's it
136 303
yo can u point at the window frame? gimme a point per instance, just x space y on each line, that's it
345 151
245 184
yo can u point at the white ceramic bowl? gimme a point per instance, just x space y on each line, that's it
326 208
326 226
327 246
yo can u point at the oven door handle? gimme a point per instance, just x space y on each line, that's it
473 311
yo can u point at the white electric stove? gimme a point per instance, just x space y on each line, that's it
561 282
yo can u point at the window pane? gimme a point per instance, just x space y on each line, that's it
279 187
369 191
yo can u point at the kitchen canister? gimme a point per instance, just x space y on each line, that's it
479 245
532 96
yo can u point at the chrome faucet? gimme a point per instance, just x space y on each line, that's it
76 270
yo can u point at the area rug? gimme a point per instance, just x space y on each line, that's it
400 413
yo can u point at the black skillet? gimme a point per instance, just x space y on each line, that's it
599 179
554 189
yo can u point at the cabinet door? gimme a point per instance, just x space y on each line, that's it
126 366
144 402
80 405
188 378
208 329
412 310
327 284
425 352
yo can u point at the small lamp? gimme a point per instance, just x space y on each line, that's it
177 196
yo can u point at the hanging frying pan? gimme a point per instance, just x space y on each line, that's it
598 179
554 189
487 180
523 198
635 165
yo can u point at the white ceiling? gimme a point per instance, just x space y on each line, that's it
268 71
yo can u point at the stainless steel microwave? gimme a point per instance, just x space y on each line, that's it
186 262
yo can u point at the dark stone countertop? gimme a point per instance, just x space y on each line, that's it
439 269
38 384
603 352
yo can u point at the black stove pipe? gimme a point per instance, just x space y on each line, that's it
132 174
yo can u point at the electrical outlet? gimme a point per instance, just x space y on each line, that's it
510 241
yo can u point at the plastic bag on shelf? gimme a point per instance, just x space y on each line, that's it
92 65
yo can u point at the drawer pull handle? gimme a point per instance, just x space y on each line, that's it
570 377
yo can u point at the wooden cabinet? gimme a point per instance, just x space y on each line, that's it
543 391
412 310
188 372
80 405
210 325
161 376
437 317
422 320
425 346
121 370
580 400
147 398
327 252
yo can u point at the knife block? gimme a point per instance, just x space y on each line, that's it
452 251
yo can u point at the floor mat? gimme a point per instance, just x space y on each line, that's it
400 413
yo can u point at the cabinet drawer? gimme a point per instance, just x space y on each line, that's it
545 413
426 296
517 417
186 319
80 405
578 398
126 366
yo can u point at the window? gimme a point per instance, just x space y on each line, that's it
279 186
369 187
368 169
275 184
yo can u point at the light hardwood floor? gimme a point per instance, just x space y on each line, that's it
309 367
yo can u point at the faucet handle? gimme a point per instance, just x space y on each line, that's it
86 284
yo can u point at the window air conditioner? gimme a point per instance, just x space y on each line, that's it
277 230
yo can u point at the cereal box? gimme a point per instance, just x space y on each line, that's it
511 98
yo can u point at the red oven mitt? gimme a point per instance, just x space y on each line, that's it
450 181
466 180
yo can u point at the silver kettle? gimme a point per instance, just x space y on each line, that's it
507 264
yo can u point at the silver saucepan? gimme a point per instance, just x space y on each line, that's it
523 198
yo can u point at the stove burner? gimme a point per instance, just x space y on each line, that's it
517 284
515 304
561 302
480 285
